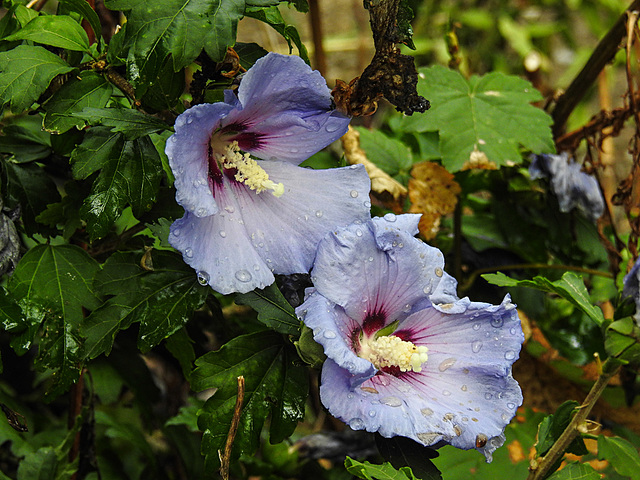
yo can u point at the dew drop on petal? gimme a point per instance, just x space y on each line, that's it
511 405
223 233
229 209
359 233
428 438
427 412
319 213
427 289
356 423
243 276
332 127
497 322
512 331
406 308
256 268
476 326
446 393
176 232
487 396
446 364
391 401
188 252
329 334
201 212
203 278
476 346
354 194
371 259
390 217
438 272
367 204
509 355
372 413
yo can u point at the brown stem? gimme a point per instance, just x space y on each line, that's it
603 54
315 18
75 409
539 468
225 457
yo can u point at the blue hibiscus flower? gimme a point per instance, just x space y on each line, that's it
250 210
405 355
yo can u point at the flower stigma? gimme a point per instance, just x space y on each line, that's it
392 351
248 171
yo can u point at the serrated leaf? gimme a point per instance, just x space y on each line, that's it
570 287
56 30
26 74
271 16
161 300
29 185
552 427
621 454
273 309
130 173
84 8
491 114
87 90
271 386
370 471
181 28
131 123
576 471
53 284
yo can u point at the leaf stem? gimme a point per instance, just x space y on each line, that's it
540 467
225 457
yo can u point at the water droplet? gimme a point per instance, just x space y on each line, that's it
332 127
512 331
229 209
367 204
203 278
497 322
511 405
446 364
458 430
256 268
446 393
427 289
176 232
188 252
350 396
391 401
353 193
359 233
372 413
463 388
189 120
319 213
476 326
243 275
427 412
390 217
329 334
384 381
356 423
371 259
406 308
429 438
201 212
438 272
487 396
476 346
223 233
509 355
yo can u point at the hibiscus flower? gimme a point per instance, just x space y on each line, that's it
250 210
405 355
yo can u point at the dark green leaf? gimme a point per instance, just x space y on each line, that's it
552 427
490 114
576 471
271 16
249 53
26 74
181 28
131 123
8 23
56 30
621 340
29 186
181 347
165 91
87 90
130 174
570 287
308 349
390 154
404 452
83 8
66 213
273 310
621 454
10 312
18 141
270 386
370 471
162 300
39 465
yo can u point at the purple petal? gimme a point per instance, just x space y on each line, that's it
286 109
188 153
374 280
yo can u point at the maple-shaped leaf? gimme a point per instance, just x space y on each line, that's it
274 384
480 120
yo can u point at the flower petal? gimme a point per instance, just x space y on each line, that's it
391 279
188 153
288 107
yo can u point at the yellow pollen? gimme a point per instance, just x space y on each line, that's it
392 351
249 172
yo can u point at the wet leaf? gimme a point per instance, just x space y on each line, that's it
131 123
56 30
273 310
370 471
552 427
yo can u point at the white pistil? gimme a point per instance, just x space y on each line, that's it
392 351
249 172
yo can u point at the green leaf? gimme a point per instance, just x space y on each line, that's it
56 30
271 16
576 471
24 15
181 347
130 173
39 465
26 74
370 471
570 287
181 28
84 8
404 452
271 386
491 114
273 310
621 340
87 90
53 284
24 143
390 154
552 427
10 312
131 123
621 454
162 300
